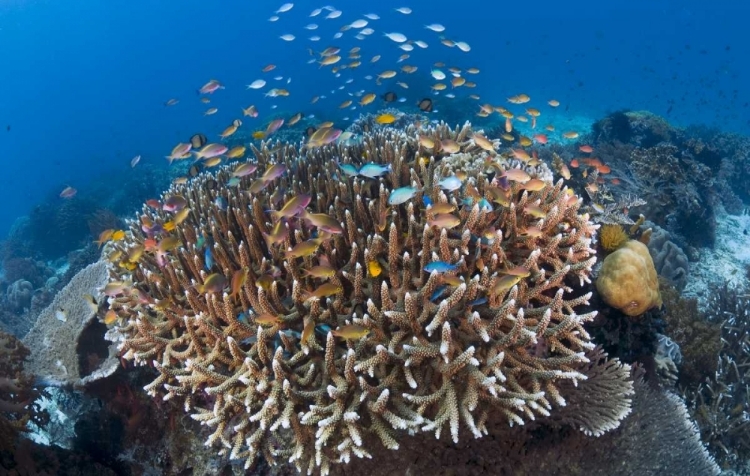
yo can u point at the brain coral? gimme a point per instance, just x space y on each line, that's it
627 280
297 337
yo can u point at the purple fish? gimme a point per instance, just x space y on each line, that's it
210 87
273 172
175 203
210 151
274 126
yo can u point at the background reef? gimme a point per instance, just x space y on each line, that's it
690 354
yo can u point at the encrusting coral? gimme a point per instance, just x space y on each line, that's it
328 300
627 280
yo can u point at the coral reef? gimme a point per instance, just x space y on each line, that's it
426 320
668 357
670 261
27 269
17 393
658 438
66 340
721 403
627 280
18 295
699 340
683 174
612 236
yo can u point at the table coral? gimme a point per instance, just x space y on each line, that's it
301 368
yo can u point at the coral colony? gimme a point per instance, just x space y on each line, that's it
361 291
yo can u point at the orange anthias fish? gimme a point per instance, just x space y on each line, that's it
239 278
324 290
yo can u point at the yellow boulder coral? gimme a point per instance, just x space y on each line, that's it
627 280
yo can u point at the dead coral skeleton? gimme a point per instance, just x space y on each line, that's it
298 369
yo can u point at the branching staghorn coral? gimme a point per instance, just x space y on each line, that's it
293 335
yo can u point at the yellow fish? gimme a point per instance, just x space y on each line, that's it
351 331
267 319
367 99
180 216
386 119
236 152
258 135
228 131
110 317
325 290
135 254
504 284
301 250
374 268
118 235
264 282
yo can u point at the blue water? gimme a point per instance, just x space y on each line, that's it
84 82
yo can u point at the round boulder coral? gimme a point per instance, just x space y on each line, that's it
628 281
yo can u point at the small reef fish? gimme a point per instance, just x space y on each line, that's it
239 278
214 283
320 271
351 332
504 284
210 87
402 195
278 233
324 290
374 268
251 111
303 249
450 183
294 206
274 126
180 151
110 317
445 220
518 271
349 170
91 302
386 119
236 152
324 222
68 192
61 314
244 170
440 267
174 203
273 172
267 319
208 258
115 288
372 170
210 151
439 208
